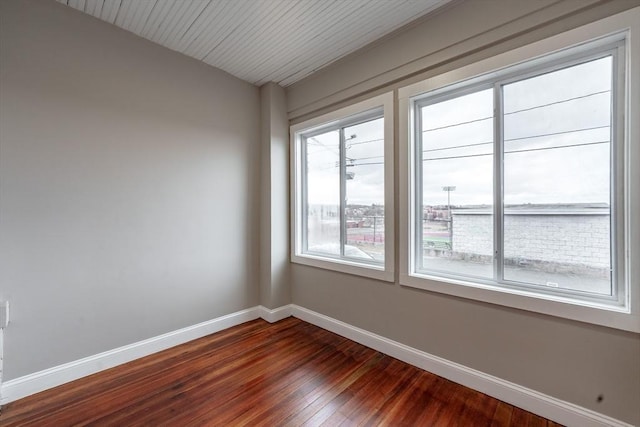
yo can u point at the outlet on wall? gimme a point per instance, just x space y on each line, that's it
4 314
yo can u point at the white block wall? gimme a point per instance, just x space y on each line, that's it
473 234
573 239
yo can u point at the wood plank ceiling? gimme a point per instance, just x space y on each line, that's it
260 40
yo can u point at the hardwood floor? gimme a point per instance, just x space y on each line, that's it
288 373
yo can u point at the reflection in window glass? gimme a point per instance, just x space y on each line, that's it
323 193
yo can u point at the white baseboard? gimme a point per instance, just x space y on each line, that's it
39 381
546 406
522 397
275 315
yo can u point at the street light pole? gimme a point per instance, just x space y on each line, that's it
449 189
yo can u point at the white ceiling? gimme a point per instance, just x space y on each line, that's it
260 40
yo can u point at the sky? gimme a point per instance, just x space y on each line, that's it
567 107
542 115
364 151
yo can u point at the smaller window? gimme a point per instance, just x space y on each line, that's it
342 190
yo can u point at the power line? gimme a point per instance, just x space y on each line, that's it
490 154
557 133
320 144
368 158
328 149
559 102
458 124
487 154
458 157
518 151
519 111
457 146
369 163
518 139
559 146
357 164
484 143
365 142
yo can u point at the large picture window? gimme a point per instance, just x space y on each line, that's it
342 184
517 181
522 197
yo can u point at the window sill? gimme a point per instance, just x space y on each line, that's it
345 266
554 305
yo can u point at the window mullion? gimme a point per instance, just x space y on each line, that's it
343 192
498 181
304 201
419 210
617 181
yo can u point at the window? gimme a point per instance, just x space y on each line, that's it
343 192
522 197
517 183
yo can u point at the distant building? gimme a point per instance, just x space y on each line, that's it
574 235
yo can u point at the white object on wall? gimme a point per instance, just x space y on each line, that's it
4 315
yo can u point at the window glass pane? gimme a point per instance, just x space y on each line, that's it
364 147
557 194
455 219
323 193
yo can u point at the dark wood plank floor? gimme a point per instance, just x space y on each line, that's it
289 373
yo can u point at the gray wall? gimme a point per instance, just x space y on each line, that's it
465 32
129 194
128 187
275 289
566 359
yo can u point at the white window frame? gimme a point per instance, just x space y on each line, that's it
384 271
623 313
